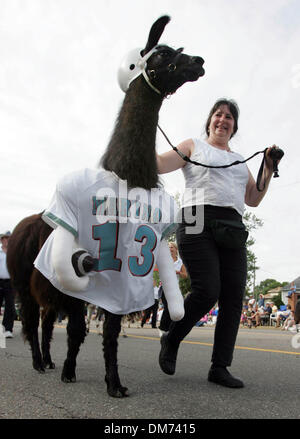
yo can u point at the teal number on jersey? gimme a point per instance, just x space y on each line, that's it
146 252
108 234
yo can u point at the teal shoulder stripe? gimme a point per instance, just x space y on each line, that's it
62 223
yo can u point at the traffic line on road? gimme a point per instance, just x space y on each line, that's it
274 351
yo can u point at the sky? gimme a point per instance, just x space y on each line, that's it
59 97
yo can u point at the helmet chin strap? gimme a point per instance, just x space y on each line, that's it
148 81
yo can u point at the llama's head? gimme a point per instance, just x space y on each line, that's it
165 69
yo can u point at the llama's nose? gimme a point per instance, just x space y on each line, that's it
198 60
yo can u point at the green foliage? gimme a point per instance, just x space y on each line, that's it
185 286
252 223
156 278
277 300
266 285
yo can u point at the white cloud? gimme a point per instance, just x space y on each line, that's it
59 96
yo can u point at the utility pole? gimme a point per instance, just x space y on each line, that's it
254 272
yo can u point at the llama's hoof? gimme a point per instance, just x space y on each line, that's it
116 391
68 374
119 392
68 380
38 366
50 365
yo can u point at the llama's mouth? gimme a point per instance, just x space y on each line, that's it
193 73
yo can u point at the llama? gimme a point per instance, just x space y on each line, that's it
130 156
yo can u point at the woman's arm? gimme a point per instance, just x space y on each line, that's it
253 197
182 272
171 161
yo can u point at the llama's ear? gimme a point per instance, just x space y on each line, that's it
155 33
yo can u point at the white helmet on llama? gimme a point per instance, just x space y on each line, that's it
132 65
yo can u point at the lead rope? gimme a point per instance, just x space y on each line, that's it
237 162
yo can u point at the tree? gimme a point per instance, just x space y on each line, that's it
252 223
267 285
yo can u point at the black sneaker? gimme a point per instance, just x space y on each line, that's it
167 355
220 375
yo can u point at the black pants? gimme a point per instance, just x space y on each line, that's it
217 274
7 294
147 313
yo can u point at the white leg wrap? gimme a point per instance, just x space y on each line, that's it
170 282
62 251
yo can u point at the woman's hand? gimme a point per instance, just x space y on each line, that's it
269 161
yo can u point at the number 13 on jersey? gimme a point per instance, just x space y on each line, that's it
108 235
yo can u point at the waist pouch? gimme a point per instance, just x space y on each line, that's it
229 233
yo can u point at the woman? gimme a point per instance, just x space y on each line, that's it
181 273
217 271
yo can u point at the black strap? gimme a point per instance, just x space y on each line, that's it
237 162
260 173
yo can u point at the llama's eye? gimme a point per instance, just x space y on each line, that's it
165 53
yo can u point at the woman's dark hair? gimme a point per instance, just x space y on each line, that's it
234 110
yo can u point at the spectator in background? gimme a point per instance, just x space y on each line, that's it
250 316
289 322
6 291
268 309
252 302
273 314
152 309
283 315
264 317
261 301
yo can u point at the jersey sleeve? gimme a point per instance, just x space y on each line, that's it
63 208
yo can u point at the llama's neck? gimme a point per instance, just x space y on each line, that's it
131 150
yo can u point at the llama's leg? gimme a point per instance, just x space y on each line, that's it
30 316
76 334
48 319
111 330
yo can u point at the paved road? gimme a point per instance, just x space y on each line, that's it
264 358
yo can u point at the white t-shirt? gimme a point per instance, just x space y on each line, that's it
215 186
156 297
4 274
119 227
177 266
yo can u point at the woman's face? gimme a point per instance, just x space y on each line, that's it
173 250
222 123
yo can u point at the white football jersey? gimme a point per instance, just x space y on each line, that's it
120 227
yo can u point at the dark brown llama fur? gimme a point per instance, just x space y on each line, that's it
131 155
131 150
